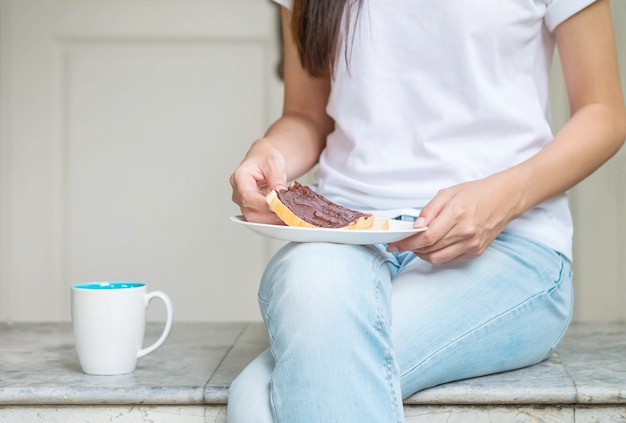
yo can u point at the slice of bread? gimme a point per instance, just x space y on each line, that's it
300 206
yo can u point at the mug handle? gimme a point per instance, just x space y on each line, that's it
168 324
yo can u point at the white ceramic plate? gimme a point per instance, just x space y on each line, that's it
397 230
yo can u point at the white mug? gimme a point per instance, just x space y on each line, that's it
109 320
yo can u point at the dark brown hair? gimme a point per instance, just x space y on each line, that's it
315 25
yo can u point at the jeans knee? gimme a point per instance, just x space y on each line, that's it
248 395
322 281
236 409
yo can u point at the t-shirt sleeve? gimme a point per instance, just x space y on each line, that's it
560 10
285 3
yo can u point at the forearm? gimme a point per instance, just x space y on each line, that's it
300 140
591 137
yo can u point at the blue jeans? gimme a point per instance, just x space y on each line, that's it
355 329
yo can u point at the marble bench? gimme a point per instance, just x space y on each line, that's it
187 380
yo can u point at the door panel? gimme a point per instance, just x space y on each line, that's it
126 119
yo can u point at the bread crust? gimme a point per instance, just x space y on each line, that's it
284 213
369 222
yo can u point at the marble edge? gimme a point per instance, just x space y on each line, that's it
101 396
570 386
488 396
216 395
601 395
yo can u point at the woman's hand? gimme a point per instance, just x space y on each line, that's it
463 220
292 145
262 170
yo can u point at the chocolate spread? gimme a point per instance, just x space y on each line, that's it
316 209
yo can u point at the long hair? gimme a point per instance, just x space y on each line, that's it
315 25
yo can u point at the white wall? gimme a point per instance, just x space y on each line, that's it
119 125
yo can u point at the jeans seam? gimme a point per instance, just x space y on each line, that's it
474 329
376 268
557 283
555 291
392 391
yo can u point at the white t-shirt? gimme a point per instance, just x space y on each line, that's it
436 93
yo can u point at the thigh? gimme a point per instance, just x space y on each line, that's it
328 314
503 310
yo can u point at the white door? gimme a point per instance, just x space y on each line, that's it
121 122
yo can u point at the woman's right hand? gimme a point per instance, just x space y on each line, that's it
262 170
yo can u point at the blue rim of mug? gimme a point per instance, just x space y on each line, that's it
108 285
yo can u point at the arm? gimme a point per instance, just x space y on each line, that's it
292 145
597 128
463 220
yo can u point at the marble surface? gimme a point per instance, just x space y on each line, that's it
39 367
102 414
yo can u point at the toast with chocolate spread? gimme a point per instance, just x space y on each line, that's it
299 205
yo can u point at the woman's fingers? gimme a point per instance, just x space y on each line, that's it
255 177
462 222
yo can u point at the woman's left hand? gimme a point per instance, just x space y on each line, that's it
463 220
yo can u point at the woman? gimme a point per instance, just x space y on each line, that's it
437 110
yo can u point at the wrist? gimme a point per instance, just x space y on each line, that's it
512 186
